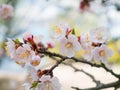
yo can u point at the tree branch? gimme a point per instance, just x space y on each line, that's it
81 61
80 70
99 85
88 74
115 84
57 63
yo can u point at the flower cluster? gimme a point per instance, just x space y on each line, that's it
92 44
41 80
27 52
6 11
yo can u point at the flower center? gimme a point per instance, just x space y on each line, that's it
6 10
85 52
35 62
58 31
102 53
23 55
68 45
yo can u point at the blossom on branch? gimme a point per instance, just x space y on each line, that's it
61 31
40 81
23 54
49 83
87 54
27 37
10 48
69 45
37 39
102 53
35 60
51 44
85 40
99 35
31 51
6 11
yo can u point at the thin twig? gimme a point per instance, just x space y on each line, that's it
80 70
88 74
57 63
115 84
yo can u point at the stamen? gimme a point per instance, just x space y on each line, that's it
68 45
102 53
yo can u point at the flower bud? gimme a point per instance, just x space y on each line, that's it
27 37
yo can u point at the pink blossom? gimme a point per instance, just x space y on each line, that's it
51 44
6 11
61 30
27 36
85 40
33 73
99 35
23 54
11 50
69 45
87 54
31 77
35 60
49 83
46 81
37 39
102 53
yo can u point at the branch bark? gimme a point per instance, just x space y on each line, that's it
97 82
115 84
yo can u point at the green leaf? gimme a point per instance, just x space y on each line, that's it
73 31
16 41
34 85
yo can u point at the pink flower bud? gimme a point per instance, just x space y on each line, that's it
27 37
51 44
78 38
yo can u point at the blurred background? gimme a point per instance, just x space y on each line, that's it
40 17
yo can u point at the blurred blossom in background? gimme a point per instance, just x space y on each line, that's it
40 18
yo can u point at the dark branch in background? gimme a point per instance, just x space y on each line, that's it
57 63
102 65
81 61
115 84
79 70
99 85
88 74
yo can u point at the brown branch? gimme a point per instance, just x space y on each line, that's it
79 70
88 74
102 65
57 63
115 84
82 61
